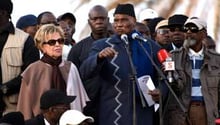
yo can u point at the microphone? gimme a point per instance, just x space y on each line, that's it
166 60
124 38
138 37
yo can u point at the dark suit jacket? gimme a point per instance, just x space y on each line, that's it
38 120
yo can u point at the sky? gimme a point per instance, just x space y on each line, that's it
23 7
57 7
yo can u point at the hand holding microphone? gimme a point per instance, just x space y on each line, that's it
166 60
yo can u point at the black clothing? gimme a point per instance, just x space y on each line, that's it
77 55
80 51
38 120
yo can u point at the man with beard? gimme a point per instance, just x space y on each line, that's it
198 71
175 24
98 22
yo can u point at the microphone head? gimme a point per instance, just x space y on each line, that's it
134 35
162 55
124 38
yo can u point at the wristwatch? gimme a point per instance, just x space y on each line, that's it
4 89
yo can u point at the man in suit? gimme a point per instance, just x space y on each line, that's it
53 104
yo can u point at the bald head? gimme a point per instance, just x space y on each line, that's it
98 21
98 9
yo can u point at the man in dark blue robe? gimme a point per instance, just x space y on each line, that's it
109 57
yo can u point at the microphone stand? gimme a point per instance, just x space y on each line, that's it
165 80
134 81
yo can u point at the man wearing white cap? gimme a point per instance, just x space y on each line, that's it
162 33
198 71
146 15
75 117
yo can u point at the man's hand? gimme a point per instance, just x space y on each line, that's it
155 94
107 52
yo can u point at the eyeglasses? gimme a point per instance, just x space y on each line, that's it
53 42
176 28
163 31
192 29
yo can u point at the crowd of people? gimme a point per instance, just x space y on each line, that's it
48 78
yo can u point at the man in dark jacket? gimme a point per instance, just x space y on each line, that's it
98 22
175 24
53 104
198 71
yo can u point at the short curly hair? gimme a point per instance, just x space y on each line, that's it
44 31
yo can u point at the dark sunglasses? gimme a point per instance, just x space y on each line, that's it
53 42
173 29
191 29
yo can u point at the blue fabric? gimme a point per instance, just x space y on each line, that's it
25 21
115 107
139 57
197 98
196 66
196 82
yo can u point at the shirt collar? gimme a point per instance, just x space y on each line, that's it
193 53
174 47
46 122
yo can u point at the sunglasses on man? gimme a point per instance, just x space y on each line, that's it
192 29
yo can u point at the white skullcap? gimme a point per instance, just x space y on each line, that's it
198 22
74 117
147 14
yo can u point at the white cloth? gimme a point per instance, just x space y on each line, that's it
75 87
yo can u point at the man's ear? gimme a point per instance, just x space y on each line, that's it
89 22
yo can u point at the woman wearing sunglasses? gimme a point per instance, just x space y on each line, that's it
49 72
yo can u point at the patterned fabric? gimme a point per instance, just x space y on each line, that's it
197 61
116 104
